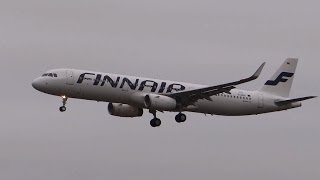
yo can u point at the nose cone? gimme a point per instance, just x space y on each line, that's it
36 84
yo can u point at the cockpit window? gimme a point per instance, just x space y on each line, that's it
50 75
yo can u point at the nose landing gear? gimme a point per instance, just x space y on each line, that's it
64 102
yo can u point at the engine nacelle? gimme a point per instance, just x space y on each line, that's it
124 110
160 102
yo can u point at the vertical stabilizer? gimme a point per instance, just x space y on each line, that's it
280 83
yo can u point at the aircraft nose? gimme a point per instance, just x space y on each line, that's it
36 84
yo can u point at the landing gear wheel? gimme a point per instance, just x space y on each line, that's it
181 118
62 109
155 122
64 102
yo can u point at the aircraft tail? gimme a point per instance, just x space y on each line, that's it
280 83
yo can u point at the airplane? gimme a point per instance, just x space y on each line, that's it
128 96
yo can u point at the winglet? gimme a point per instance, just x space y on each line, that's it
258 72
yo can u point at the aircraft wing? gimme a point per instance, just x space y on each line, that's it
186 98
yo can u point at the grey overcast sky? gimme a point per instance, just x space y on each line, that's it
203 41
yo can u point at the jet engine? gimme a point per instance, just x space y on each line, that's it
124 110
159 102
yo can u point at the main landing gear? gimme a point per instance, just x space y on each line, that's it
64 102
181 118
156 122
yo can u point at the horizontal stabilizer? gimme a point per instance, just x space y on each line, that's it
289 101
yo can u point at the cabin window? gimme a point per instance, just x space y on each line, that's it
55 75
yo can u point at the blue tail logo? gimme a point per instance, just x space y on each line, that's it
281 78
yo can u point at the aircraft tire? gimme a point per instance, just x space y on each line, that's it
62 109
181 117
155 122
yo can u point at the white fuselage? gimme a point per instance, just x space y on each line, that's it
132 90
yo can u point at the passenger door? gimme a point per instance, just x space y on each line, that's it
70 77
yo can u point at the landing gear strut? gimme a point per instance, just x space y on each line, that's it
181 118
155 122
64 102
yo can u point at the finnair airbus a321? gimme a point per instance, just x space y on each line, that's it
128 96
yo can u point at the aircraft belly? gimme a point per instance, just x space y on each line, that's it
95 93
